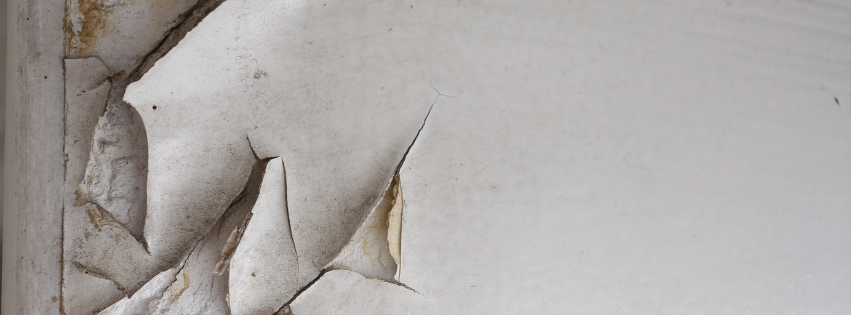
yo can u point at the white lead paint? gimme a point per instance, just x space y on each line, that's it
650 157
264 269
212 103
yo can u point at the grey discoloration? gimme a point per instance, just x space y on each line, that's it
116 173
121 32
87 91
34 164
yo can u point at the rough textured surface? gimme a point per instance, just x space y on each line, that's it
120 32
105 207
193 288
125 35
116 173
99 205
87 92
32 196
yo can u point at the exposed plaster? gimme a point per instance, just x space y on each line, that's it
87 92
179 286
394 225
368 252
116 173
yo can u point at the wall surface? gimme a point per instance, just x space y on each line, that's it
457 157
32 210
2 114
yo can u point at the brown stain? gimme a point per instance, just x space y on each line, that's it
117 76
176 292
95 217
91 26
81 197
98 216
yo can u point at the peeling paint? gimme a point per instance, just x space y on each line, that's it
467 271
116 172
149 299
264 271
98 27
87 92
368 252
230 246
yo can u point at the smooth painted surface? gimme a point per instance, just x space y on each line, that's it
647 158
265 265
652 157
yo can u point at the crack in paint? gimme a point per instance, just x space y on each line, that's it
186 282
300 291
287 210
249 195
425 119
285 309
198 12
97 274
